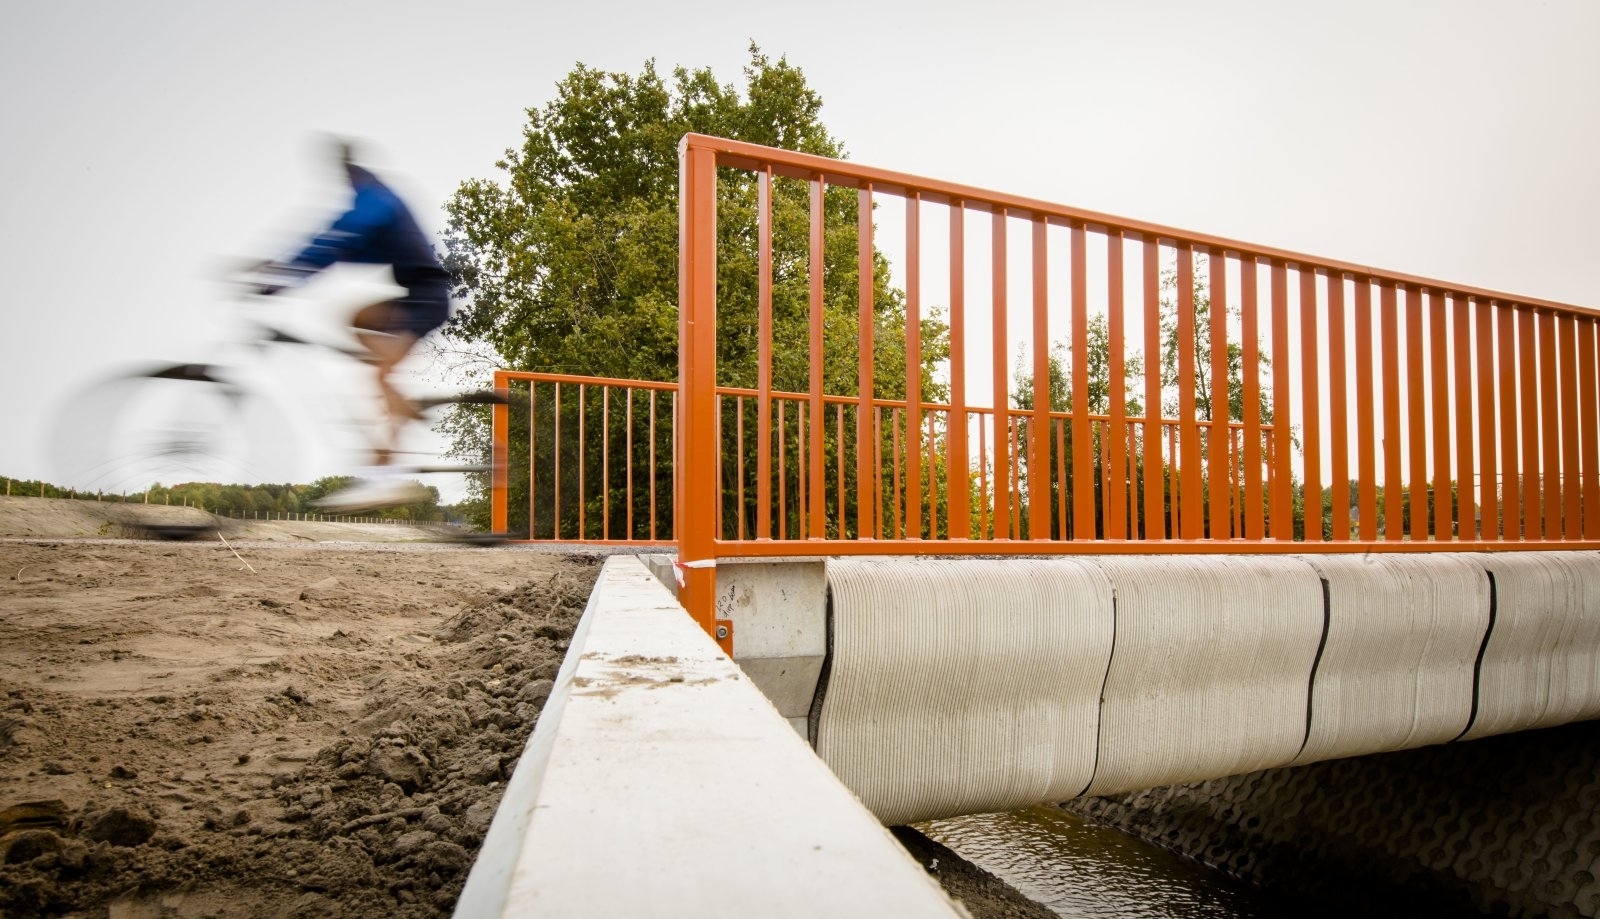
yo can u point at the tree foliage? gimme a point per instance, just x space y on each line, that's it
568 261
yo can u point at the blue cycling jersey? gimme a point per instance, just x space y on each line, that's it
378 229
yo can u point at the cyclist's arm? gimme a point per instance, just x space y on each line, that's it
370 211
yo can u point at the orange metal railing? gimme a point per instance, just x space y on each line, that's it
1375 410
593 459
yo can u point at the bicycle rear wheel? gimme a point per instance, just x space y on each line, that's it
174 424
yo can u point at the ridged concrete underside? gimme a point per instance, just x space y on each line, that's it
1541 666
1209 673
1396 670
964 686
960 687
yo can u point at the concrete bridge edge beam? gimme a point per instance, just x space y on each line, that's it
657 761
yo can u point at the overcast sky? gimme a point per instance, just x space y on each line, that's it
144 142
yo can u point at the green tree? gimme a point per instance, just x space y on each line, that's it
569 261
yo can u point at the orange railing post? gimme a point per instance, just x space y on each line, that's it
499 457
697 448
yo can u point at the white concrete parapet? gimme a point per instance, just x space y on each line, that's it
660 782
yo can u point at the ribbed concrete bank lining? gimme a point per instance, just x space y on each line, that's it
1209 674
1541 665
1397 667
963 686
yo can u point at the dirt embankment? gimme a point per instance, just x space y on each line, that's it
302 729
325 736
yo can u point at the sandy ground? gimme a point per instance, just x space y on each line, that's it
301 729
327 735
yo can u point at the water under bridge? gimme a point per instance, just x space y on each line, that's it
1094 507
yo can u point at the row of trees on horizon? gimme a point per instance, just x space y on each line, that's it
235 500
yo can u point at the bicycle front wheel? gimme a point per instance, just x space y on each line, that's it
174 424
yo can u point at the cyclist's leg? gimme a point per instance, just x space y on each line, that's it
389 331
387 343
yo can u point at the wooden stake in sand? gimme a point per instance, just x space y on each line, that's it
235 553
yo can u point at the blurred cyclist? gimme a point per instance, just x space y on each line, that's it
377 229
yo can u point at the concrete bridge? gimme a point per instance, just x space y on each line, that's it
975 605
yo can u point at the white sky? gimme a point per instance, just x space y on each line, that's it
143 142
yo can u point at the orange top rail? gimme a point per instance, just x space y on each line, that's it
1366 410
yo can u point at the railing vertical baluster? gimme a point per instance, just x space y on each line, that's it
605 462
678 510
901 522
533 455
1132 471
716 504
913 496
1311 401
1571 489
1059 425
1000 361
654 484
1532 523
1417 414
1439 413
816 523
838 468
738 414
1338 412
1366 415
983 483
783 483
1155 526
803 478
1083 503
1282 513
627 427
956 461
933 486
1218 441
1488 476
499 458
1039 445
1393 478
1172 483
555 481
1510 457
1236 478
1102 433
877 471
764 357
1255 514
1589 407
1550 424
866 273
1191 510
583 457
1116 495
1465 488
1014 484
